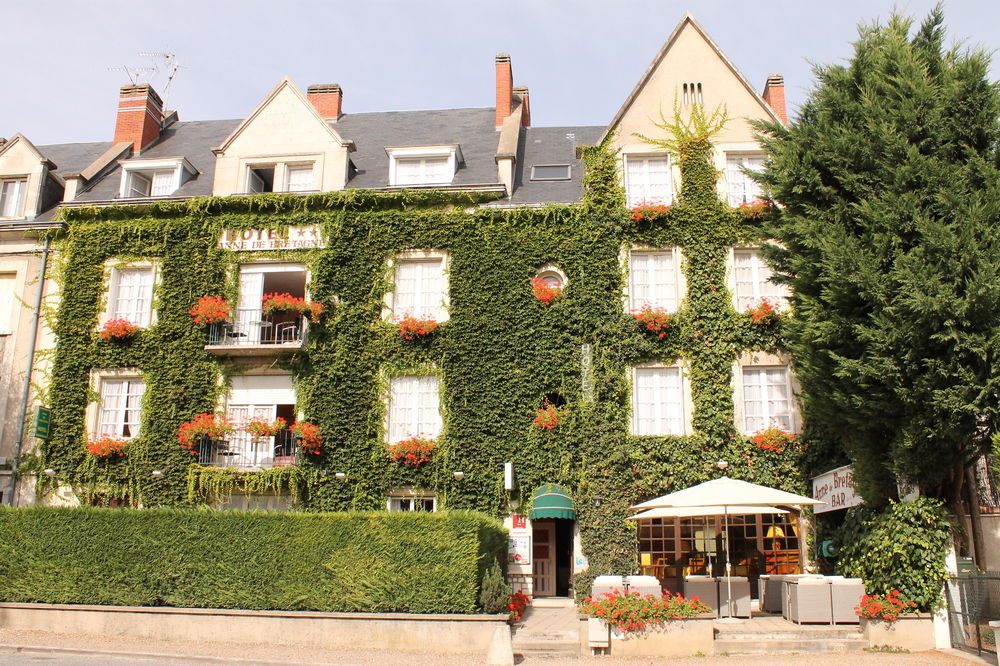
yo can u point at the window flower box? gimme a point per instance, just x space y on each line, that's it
107 447
309 436
653 319
774 439
119 329
764 313
545 291
203 426
649 211
413 451
279 305
411 327
754 209
211 310
261 429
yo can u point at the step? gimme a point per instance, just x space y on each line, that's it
788 634
811 646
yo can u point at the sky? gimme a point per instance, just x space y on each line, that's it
579 58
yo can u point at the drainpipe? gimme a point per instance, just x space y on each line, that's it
26 389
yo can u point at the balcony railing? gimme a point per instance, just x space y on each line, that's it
252 328
242 451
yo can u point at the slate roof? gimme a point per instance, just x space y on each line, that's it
472 129
193 140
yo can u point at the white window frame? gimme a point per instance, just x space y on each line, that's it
100 380
778 295
397 496
438 312
307 185
167 175
634 198
113 272
257 396
685 404
412 428
760 361
9 301
453 154
20 185
632 301
282 165
734 175
250 305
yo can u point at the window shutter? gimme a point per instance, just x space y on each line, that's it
408 171
163 183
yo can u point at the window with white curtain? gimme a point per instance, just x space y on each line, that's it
300 178
752 281
131 295
420 288
8 281
654 279
743 188
657 401
121 406
414 408
423 171
412 502
767 399
12 191
647 180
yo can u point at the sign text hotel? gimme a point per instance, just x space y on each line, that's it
297 238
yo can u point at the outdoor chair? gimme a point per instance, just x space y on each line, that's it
844 596
808 600
739 605
705 588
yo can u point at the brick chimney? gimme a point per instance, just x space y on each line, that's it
522 93
328 100
140 116
505 88
774 95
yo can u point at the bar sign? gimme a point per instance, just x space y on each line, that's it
43 417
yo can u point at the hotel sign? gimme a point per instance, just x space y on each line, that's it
289 238
836 488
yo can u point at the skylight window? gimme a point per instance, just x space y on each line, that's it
551 172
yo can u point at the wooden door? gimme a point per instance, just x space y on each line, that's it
543 557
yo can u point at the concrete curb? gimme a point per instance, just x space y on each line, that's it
48 649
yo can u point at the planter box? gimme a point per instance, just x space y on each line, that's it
910 632
441 634
677 638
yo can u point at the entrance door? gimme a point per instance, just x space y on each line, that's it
543 557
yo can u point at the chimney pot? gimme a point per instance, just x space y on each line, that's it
140 116
327 99
774 95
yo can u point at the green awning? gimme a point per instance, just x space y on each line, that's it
551 501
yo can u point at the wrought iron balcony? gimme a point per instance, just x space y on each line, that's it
252 332
242 451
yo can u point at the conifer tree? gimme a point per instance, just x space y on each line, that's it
889 232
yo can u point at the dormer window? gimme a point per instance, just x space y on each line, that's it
280 177
428 165
12 196
154 178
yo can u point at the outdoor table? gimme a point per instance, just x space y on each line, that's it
808 600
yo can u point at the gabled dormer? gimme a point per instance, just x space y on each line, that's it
284 145
28 184
690 69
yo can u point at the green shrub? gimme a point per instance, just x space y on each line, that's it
495 593
901 548
368 562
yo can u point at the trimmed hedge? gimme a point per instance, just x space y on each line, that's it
370 562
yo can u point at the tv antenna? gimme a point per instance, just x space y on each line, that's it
133 73
136 74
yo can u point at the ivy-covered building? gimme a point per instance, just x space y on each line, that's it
431 310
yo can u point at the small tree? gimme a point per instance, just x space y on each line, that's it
494 595
889 232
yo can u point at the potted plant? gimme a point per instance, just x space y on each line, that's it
118 329
411 327
547 417
763 313
633 612
754 209
203 426
211 310
413 451
652 319
649 211
278 305
107 447
309 436
773 439
545 292
261 429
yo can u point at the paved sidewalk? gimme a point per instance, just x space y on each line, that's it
77 649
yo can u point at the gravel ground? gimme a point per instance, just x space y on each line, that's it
221 652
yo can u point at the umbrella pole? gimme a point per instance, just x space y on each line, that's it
729 565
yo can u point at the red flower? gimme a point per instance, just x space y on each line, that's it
118 329
211 310
644 210
773 439
764 312
654 319
310 437
413 451
203 425
545 292
547 418
413 327
106 447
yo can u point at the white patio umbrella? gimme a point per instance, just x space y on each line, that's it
693 511
725 493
